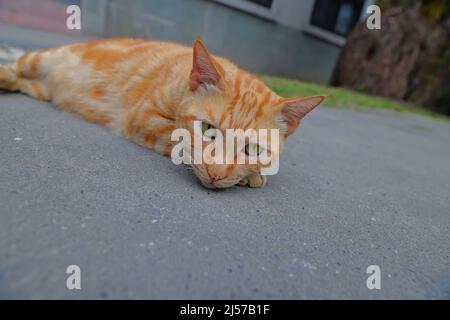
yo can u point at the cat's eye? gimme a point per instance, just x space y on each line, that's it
253 149
208 130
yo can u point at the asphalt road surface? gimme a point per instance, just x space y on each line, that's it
354 189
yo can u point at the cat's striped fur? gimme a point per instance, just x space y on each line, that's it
145 89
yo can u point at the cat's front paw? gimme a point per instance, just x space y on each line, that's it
254 181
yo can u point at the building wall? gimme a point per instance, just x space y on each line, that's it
291 13
256 44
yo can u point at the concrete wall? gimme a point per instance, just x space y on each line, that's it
292 13
256 44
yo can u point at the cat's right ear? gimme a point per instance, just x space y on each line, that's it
295 109
204 72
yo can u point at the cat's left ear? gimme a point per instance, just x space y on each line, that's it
205 71
294 110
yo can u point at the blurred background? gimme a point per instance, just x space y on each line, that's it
318 41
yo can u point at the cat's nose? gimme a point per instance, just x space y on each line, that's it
215 178
214 175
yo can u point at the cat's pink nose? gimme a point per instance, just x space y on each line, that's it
214 175
215 178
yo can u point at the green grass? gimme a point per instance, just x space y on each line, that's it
342 98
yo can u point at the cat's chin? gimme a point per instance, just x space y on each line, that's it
217 185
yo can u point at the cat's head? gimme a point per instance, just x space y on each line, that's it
223 97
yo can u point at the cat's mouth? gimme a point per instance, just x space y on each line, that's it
212 183
217 184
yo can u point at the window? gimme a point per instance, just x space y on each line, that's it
264 3
261 8
339 16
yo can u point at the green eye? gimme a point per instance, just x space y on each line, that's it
253 149
205 127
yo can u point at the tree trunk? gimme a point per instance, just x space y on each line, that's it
408 59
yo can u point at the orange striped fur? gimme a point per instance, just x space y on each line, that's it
146 89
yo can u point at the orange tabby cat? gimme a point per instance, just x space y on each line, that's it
144 90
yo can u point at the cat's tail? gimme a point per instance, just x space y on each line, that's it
9 56
8 78
24 75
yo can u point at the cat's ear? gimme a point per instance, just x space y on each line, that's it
205 72
294 110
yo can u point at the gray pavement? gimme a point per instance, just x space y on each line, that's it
354 189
